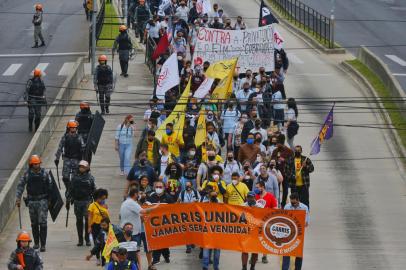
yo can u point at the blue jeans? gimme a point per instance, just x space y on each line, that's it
124 152
286 263
207 255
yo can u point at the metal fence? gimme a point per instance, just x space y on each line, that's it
307 18
99 25
149 50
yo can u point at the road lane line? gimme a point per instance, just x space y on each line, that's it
66 69
396 59
12 69
399 74
42 54
42 67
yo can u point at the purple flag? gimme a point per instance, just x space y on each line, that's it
325 133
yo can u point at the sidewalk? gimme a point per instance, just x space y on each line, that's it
62 253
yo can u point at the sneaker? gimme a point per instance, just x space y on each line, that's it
155 262
80 244
88 244
252 267
42 44
126 75
122 173
244 267
167 260
36 246
264 259
42 249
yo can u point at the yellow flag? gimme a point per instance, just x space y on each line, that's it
225 87
201 133
111 242
177 117
221 69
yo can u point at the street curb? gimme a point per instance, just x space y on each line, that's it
40 140
303 35
397 147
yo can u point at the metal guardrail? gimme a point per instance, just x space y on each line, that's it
307 18
149 50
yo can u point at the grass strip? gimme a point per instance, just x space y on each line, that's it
398 121
109 28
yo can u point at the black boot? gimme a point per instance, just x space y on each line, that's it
107 109
43 237
66 182
35 235
30 125
37 123
42 44
79 229
35 45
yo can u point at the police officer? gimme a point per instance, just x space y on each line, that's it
103 83
125 46
80 194
85 119
122 262
72 146
24 257
37 21
34 96
39 186
142 16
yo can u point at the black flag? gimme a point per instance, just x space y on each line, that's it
55 199
265 15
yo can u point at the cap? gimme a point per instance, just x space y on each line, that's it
115 250
122 251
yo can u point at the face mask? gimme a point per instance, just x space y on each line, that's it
159 190
150 139
246 89
211 158
246 168
142 162
188 188
250 140
254 116
244 120
258 140
213 199
257 191
230 159
211 132
160 107
192 153
259 159
173 172
180 58
271 166
102 202
168 131
235 182
129 233
216 176
298 154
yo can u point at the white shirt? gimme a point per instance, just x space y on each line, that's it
164 164
277 98
130 213
261 131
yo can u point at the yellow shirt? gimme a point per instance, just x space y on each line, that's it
174 141
150 153
298 166
215 188
97 215
232 195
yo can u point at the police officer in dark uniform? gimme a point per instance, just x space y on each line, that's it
103 83
72 146
80 194
142 16
24 257
85 119
122 263
34 96
39 186
123 41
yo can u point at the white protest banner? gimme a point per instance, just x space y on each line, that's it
204 88
254 48
277 39
203 6
168 77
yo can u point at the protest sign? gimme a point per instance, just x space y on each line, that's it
254 48
223 226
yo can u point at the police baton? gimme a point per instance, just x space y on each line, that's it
57 174
19 217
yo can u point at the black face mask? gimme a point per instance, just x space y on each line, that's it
213 199
257 126
211 158
246 168
246 89
131 122
142 162
230 159
258 140
173 172
188 188
298 154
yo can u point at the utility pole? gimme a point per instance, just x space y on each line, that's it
332 17
94 8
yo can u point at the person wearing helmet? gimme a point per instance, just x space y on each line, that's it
123 42
85 119
39 186
142 16
37 21
24 257
80 194
72 146
103 83
34 96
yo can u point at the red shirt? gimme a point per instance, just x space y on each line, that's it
269 198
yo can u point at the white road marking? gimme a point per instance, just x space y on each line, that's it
295 59
12 69
66 69
399 74
396 59
310 74
42 54
42 67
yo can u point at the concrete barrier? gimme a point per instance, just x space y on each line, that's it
375 64
39 140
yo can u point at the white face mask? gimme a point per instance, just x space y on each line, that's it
216 176
159 190
235 182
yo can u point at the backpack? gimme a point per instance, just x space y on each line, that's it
182 195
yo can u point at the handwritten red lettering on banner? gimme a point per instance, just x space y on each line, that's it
214 35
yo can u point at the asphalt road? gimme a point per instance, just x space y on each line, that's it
358 189
65 31
379 25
